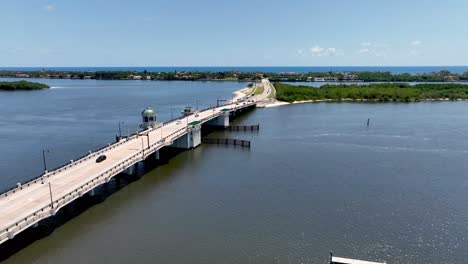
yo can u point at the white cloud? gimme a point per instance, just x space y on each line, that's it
416 43
49 8
373 49
363 50
318 51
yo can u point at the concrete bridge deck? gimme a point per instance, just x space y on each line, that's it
25 206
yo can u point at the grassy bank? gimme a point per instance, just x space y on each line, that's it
22 85
259 90
386 92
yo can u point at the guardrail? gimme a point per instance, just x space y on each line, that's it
64 167
50 209
99 151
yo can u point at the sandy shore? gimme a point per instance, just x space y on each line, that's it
242 93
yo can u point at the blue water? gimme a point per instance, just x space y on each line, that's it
316 179
393 69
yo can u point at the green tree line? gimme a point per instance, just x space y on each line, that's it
385 92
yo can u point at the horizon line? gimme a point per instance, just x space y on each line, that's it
230 66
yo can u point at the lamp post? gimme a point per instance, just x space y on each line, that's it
219 100
51 199
44 159
120 130
142 148
147 136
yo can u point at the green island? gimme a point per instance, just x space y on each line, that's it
22 85
383 92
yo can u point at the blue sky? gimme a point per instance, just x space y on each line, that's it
233 33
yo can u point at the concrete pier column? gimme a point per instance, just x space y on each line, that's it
222 120
190 140
130 170
156 155
92 192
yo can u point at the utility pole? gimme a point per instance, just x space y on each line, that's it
51 199
120 131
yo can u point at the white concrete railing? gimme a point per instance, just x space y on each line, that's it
65 167
50 210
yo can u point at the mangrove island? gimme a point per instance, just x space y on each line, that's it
382 92
22 85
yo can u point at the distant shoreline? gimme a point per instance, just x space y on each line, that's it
247 76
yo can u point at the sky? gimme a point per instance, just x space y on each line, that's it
68 33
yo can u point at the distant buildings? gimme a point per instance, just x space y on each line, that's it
22 75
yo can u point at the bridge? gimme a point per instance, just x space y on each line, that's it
28 203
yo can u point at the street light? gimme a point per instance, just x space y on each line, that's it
142 148
44 159
147 135
51 199
219 100
120 130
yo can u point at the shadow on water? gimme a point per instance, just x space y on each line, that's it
46 226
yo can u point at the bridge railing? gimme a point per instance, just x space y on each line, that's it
51 209
95 153
64 167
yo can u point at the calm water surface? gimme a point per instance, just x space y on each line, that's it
316 179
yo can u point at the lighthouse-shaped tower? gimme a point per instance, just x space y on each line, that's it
149 118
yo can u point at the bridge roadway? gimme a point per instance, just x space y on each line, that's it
25 206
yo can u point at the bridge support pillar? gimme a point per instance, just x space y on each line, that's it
222 120
190 140
130 170
92 192
36 225
156 155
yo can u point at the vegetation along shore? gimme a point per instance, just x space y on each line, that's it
364 76
22 85
383 92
